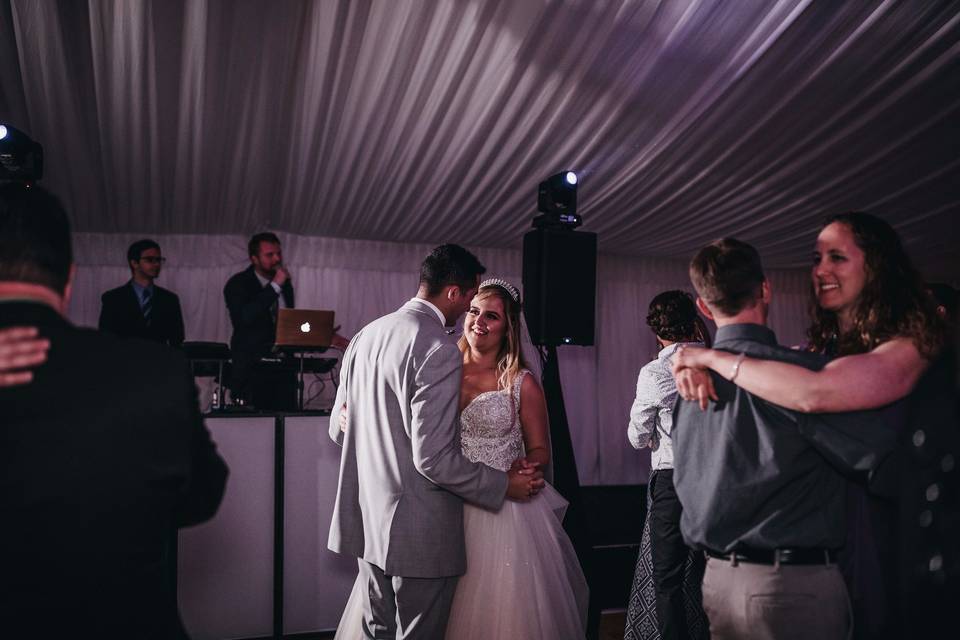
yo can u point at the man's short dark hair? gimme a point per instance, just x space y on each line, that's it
253 247
137 248
450 264
34 237
728 275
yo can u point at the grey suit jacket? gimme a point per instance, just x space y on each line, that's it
403 477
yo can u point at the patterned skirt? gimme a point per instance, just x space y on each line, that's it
642 609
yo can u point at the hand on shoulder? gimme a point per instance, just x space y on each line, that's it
20 348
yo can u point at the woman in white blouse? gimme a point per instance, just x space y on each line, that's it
665 599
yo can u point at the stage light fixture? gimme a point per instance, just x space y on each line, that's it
557 201
21 158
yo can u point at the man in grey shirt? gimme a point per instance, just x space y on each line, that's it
761 486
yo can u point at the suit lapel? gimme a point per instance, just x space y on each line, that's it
252 283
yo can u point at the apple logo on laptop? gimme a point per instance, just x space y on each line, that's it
305 327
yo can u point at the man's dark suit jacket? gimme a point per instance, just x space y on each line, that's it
120 314
102 457
254 328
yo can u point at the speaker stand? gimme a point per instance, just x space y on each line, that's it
566 480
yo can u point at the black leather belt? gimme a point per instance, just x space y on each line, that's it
774 556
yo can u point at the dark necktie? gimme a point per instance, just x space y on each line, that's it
147 306
275 306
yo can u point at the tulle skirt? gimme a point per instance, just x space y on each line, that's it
523 578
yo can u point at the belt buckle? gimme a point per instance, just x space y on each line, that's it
801 556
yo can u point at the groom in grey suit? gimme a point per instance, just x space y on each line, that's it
403 478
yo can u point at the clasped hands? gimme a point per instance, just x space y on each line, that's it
525 480
692 375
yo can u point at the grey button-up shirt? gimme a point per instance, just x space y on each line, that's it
751 473
651 416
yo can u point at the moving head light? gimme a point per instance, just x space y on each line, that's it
21 158
557 201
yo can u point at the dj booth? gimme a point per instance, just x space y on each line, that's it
260 567
213 360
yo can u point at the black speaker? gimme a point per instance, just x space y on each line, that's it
560 286
615 515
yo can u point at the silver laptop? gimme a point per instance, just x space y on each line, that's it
304 328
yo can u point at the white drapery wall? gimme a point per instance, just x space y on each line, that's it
362 280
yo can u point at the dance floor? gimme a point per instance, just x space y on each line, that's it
611 626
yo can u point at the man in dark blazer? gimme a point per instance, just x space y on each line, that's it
253 299
140 308
102 454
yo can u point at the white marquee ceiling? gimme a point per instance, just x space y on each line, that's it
434 120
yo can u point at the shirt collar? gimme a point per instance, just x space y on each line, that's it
28 312
747 331
436 310
138 289
668 351
263 281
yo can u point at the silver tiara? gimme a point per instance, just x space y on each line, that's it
503 284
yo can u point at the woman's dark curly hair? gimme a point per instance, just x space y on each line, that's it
673 316
893 302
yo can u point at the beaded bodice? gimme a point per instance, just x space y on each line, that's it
490 427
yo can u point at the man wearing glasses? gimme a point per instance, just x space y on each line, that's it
140 308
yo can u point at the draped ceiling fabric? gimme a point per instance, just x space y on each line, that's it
365 131
434 120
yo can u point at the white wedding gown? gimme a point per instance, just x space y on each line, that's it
523 578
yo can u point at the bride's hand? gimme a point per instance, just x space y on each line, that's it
19 348
522 487
696 385
343 419
524 467
525 481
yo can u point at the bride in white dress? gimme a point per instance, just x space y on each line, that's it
523 578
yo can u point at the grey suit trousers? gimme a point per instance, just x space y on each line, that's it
398 608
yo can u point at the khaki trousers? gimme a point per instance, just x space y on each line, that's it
747 600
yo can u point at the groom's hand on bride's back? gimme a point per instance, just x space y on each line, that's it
525 480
